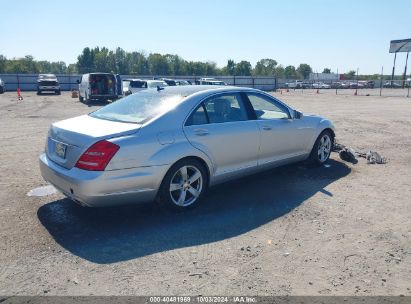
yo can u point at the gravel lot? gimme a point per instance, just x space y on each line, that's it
295 230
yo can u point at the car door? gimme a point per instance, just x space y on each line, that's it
282 137
221 128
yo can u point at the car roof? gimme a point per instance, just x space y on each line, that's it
193 89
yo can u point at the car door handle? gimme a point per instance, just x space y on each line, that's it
201 132
267 128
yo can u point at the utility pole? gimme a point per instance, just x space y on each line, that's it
405 71
393 68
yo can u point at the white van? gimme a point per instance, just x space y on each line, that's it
99 86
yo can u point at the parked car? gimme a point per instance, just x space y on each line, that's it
392 84
170 145
2 86
181 82
99 86
170 82
131 86
211 81
307 85
340 85
320 85
356 85
368 84
298 84
48 83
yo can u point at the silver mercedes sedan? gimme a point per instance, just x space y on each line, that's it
170 144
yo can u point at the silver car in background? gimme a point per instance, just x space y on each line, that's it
171 144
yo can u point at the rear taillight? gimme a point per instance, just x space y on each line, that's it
97 157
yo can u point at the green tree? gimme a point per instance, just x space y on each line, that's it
350 74
327 71
229 69
85 61
243 68
138 63
279 71
304 70
290 72
120 61
158 64
265 67
3 62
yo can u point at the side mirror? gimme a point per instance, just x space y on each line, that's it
298 114
78 81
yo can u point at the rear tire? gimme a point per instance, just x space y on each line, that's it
58 92
322 148
38 92
184 185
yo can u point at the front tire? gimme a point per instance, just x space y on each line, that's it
322 148
184 185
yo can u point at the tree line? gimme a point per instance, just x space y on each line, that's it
139 63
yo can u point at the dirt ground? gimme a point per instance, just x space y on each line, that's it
344 229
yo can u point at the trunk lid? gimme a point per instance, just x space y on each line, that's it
68 139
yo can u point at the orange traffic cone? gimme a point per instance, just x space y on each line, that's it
355 93
19 97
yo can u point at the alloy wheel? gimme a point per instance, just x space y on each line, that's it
324 148
186 186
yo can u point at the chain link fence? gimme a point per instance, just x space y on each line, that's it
388 88
28 82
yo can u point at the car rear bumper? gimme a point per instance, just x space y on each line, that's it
104 188
49 88
102 97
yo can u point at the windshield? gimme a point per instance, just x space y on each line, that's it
47 76
139 107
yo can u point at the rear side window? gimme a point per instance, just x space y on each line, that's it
198 117
219 109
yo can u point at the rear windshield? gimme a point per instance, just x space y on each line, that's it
139 107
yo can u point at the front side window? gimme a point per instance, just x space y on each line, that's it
267 109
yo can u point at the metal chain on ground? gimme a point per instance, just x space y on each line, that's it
349 154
